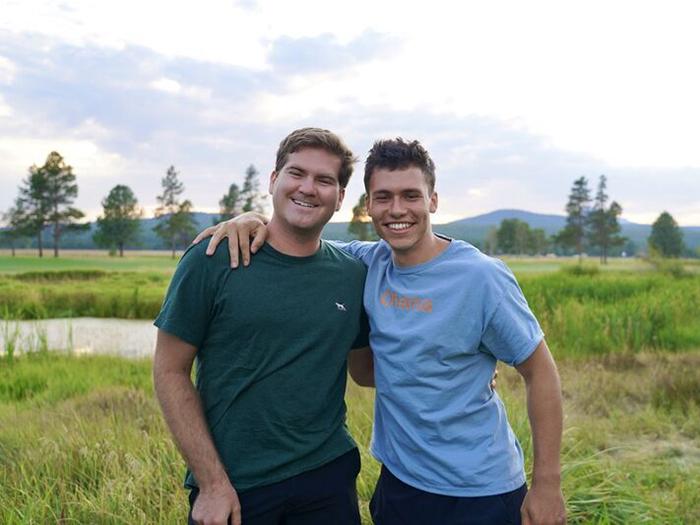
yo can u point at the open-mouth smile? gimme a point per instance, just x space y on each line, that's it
304 204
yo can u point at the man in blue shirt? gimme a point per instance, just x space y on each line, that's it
441 315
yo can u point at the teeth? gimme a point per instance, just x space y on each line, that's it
304 204
399 226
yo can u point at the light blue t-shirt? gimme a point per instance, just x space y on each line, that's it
437 330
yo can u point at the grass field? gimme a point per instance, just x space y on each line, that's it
82 441
26 261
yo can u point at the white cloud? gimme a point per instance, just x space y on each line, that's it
5 110
166 84
8 69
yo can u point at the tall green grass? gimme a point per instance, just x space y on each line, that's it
82 293
599 313
82 441
582 310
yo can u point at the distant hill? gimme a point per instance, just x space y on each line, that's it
472 229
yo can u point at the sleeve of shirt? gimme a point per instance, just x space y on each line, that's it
359 249
512 334
188 303
362 338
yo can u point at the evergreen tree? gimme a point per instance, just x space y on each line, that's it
230 204
666 237
31 213
12 230
62 190
251 196
176 224
119 223
574 233
603 227
360 225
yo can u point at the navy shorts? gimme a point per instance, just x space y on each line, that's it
322 496
396 503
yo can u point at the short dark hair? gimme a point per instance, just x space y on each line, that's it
397 154
317 138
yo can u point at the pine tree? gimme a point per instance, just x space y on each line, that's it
666 237
12 230
603 227
176 224
62 189
574 233
251 196
360 225
230 204
119 223
44 199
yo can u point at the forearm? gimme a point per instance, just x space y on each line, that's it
361 366
545 412
182 409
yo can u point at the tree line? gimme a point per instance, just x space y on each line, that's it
46 196
591 223
45 202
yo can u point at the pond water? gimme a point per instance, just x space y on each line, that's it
82 335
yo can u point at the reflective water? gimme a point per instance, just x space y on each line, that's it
86 335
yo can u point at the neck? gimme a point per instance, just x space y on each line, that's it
428 248
290 241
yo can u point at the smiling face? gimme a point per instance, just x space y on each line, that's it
400 203
306 192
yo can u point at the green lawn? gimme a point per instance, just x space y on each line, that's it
87 260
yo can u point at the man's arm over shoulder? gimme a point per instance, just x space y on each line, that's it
362 250
544 502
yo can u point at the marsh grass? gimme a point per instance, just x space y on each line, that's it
82 440
583 311
601 313
78 293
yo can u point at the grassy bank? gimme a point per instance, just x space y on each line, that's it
81 439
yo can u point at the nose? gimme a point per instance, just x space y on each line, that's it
307 186
396 209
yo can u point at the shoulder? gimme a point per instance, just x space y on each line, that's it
196 259
338 254
490 271
363 250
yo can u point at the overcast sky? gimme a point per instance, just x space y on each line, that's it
514 100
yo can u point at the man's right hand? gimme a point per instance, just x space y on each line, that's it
216 504
239 231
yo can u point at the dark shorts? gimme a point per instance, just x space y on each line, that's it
395 503
322 496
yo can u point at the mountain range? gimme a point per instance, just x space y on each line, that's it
472 229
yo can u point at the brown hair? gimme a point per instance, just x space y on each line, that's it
317 138
396 154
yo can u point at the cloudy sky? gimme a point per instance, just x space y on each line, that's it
514 100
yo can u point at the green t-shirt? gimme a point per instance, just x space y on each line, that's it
272 341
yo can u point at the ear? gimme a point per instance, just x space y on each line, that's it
433 202
273 178
341 196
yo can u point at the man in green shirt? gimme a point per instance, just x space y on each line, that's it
263 428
